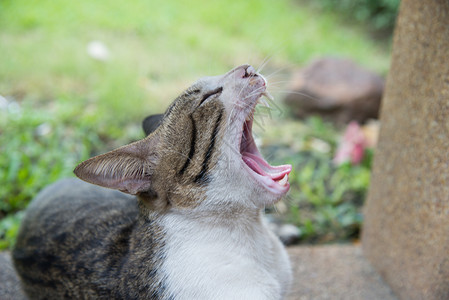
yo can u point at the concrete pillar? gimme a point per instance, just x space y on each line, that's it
406 231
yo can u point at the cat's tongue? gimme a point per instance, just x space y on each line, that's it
273 177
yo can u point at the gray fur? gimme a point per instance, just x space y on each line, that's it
9 281
65 250
80 241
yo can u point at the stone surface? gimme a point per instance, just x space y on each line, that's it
9 282
334 272
406 232
337 89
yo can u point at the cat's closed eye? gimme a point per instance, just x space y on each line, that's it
211 94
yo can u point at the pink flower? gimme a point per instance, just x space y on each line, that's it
352 145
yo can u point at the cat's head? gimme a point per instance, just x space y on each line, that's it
200 153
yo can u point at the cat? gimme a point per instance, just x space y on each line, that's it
186 221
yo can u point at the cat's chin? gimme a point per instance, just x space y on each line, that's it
274 179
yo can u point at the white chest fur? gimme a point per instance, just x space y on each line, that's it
230 259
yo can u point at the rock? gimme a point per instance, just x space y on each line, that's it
336 89
406 229
287 233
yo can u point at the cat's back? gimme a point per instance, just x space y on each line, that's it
67 230
74 207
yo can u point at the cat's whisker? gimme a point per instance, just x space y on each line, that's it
241 105
275 72
276 210
275 83
242 89
253 93
264 63
187 184
297 93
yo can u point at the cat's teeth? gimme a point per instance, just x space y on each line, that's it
284 180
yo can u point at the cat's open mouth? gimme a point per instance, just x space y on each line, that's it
273 178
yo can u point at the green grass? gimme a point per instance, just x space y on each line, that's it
65 106
158 46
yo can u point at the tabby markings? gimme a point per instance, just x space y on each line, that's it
192 147
201 176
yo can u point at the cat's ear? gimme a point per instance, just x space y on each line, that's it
151 123
128 168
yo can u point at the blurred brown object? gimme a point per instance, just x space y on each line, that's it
406 229
337 89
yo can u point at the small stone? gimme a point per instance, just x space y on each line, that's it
320 145
289 234
98 50
336 89
43 129
3 103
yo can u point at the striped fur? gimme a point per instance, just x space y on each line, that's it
193 230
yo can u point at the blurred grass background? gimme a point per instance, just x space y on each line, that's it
58 105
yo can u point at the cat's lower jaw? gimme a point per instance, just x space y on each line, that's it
234 259
274 179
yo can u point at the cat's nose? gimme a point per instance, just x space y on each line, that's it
249 72
243 71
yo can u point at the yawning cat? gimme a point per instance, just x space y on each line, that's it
195 229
